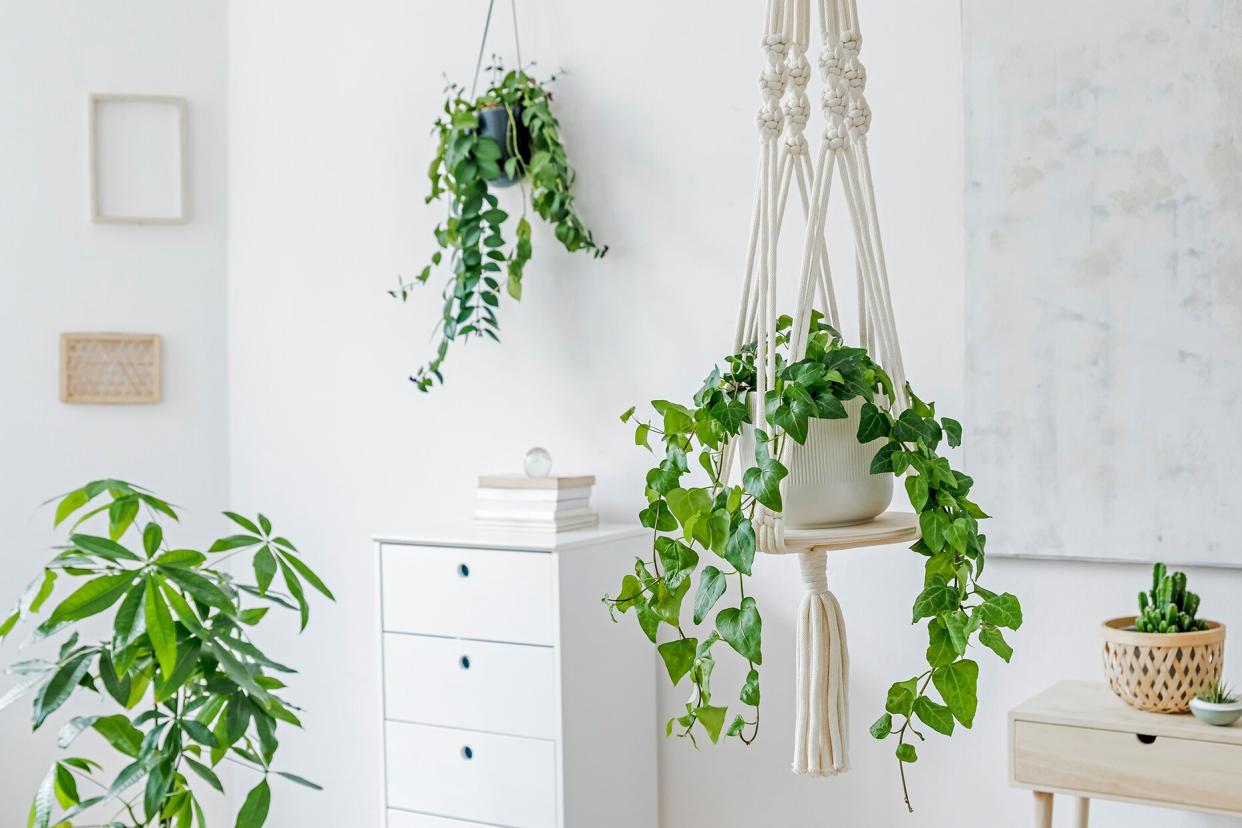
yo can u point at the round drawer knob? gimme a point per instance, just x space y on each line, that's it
463 570
467 752
465 662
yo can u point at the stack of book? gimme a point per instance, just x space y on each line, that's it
545 504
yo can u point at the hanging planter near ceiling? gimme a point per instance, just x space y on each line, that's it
503 137
802 489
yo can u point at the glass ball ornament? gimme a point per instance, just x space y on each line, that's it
538 462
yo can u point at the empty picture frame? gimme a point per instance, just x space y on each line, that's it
114 368
138 159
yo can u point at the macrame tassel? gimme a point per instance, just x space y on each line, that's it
821 730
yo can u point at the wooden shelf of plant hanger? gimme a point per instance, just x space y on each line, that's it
888 528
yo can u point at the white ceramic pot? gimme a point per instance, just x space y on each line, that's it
1221 715
830 481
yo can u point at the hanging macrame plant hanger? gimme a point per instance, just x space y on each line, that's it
788 163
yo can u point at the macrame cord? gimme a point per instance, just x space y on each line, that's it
821 738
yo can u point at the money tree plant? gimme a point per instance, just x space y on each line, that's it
473 242
179 664
703 537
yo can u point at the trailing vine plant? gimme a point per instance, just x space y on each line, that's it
713 525
473 241
191 687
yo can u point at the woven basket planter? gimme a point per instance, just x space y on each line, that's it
1161 672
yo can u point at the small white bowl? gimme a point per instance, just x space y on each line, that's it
1221 715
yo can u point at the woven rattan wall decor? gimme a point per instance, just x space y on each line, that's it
109 368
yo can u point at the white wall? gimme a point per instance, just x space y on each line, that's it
59 272
330 108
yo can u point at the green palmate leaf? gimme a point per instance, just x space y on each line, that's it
907 753
34 596
200 588
152 537
1001 611
293 777
677 559
253 811
187 558
60 686
264 568
901 695
66 786
957 683
119 733
160 627
121 514
992 638
91 598
935 716
882 727
712 719
243 522
205 773
742 629
41 809
234 542
6 626
307 574
69 504
711 587
72 729
678 657
295 589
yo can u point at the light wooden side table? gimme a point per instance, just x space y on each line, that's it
1077 738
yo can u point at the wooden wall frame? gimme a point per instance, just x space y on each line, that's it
182 107
110 368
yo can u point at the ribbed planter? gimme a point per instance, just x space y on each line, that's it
1161 672
830 481
494 124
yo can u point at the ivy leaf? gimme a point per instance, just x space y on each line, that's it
940 649
992 638
664 478
955 624
900 698
935 599
711 587
736 726
763 480
957 684
625 415
688 503
712 719
882 463
679 561
872 424
648 620
658 516
730 414
1001 611
907 753
742 628
932 526
667 603
739 549
882 727
935 716
750 690
952 431
678 657
916 488
631 593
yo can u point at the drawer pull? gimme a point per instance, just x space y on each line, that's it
467 752
463 570
1145 738
465 662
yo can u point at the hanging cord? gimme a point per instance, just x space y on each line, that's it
517 42
487 24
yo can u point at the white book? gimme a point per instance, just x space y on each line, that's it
526 508
577 519
534 495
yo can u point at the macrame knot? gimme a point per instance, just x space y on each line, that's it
855 74
830 60
814 566
772 81
833 100
835 133
859 117
797 111
851 42
769 531
795 143
798 70
777 46
770 119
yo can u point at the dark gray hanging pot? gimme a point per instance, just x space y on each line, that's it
494 124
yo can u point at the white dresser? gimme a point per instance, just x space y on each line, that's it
510 697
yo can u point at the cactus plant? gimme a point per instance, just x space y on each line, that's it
1168 607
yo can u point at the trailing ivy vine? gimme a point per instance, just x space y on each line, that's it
713 525
473 241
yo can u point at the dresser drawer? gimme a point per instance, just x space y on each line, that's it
484 777
408 819
1116 763
469 593
480 685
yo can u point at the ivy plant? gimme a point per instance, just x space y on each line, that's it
703 538
190 687
473 242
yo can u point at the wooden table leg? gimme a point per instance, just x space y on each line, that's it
1043 809
1082 808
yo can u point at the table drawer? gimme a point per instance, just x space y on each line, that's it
407 819
1115 763
469 593
484 777
480 685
